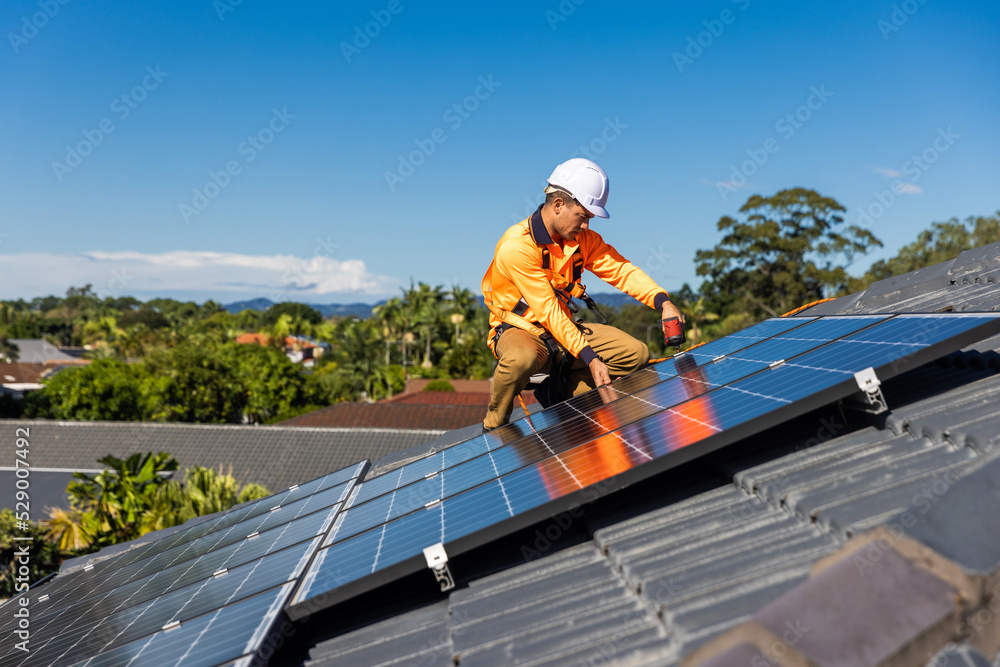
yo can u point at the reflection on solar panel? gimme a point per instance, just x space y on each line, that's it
591 445
207 594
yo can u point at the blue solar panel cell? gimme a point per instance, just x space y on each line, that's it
708 399
216 637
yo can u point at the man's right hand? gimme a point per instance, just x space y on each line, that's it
600 373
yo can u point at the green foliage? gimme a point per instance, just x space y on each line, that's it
191 383
43 555
297 312
785 251
107 506
105 390
943 241
204 491
439 385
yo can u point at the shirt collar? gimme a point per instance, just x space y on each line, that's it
538 231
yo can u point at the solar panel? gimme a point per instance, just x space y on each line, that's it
206 596
712 397
560 412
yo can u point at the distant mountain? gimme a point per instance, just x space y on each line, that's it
259 303
362 310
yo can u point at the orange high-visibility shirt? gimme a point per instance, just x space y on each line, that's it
516 272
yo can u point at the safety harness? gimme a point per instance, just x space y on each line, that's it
555 388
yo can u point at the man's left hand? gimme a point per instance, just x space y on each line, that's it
670 310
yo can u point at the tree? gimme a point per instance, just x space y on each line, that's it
107 507
268 383
204 491
106 390
299 313
785 251
424 306
943 241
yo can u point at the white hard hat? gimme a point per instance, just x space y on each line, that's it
585 181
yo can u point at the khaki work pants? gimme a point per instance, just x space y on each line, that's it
521 355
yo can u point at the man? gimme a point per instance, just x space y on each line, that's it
536 270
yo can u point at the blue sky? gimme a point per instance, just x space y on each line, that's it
234 149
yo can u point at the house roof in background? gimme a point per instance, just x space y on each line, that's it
39 351
461 386
21 373
391 415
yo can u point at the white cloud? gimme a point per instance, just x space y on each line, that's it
278 277
891 173
908 189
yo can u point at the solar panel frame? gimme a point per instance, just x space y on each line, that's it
349 588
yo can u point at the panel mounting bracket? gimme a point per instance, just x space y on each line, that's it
437 562
869 399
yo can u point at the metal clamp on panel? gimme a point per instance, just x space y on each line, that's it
870 398
437 562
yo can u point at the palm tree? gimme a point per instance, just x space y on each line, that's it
424 305
696 315
112 502
70 530
392 319
359 358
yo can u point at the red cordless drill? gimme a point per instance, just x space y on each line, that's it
673 332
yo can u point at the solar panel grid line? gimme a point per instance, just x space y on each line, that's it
760 400
570 432
614 433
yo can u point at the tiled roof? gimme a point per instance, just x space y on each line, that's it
274 456
461 386
391 415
